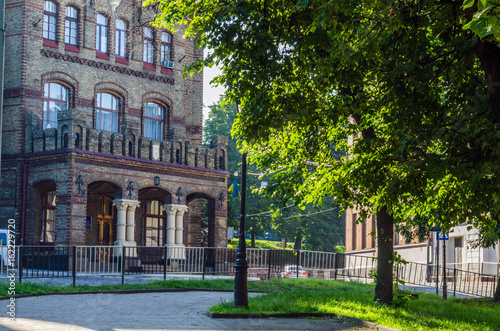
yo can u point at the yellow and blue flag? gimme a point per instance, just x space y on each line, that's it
235 189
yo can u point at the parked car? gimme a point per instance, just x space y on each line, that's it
3 247
291 271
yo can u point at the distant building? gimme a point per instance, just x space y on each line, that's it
102 137
459 253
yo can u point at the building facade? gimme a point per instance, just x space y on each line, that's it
102 135
461 253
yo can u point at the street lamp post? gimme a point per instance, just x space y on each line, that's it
241 264
445 286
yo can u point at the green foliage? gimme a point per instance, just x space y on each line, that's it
262 244
399 86
320 229
401 76
340 249
486 21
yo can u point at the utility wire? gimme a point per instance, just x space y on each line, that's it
310 214
267 213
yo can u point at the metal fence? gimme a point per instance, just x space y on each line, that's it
79 261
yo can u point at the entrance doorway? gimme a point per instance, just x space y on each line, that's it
105 220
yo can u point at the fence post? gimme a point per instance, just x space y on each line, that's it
20 263
269 264
298 257
165 262
335 266
123 264
74 265
204 261
455 282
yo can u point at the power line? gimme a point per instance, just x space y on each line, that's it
310 214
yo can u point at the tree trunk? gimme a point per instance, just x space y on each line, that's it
383 289
489 56
297 245
496 296
252 240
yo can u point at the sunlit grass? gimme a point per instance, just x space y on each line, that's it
429 312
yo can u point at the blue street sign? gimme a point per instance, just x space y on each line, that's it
446 236
88 222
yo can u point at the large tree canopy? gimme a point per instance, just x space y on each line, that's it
408 88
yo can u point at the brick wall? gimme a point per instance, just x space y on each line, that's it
56 155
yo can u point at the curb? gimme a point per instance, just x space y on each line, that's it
283 315
370 325
353 320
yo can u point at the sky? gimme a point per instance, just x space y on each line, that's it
211 94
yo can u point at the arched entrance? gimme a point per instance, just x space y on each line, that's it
200 227
152 217
100 208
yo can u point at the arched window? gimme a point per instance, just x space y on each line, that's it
55 99
71 27
121 38
107 112
154 116
101 34
50 20
147 55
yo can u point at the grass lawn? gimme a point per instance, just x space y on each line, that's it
429 312
262 244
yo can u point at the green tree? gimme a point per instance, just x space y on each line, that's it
219 123
321 227
416 92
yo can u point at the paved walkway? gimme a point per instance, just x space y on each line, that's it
148 311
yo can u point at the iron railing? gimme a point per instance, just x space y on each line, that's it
79 261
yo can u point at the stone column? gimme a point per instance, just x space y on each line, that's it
121 219
179 227
171 211
132 205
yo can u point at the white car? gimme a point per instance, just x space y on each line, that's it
291 272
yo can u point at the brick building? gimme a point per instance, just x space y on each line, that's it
460 251
101 133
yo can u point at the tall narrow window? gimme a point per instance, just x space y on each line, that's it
71 29
55 99
363 235
148 46
166 42
101 34
121 38
354 239
107 112
50 20
396 236
48 216
374 229
153 121
154 223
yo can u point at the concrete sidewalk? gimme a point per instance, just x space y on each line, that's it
144 311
